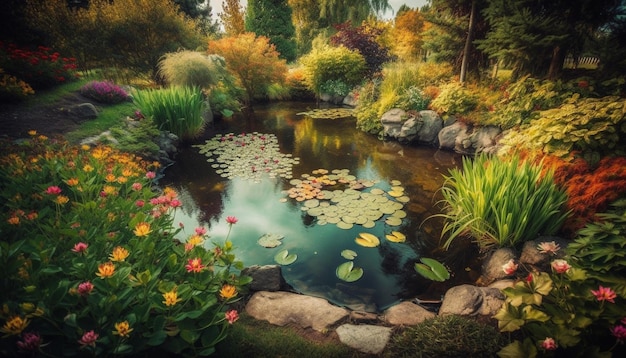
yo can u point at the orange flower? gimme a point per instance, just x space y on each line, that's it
105 270
122 329
110 178
228 291
195 265
72 181
87 168
14 220
119 254
62 199
171 298
14 326
142 229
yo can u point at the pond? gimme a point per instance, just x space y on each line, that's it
320 231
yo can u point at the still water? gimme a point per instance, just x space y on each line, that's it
388 270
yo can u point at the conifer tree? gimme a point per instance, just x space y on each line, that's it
272 18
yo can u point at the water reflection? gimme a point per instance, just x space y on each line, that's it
331 144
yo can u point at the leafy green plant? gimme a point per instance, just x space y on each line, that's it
590 125
446 336
413 99
139 138
90 264
223 99
432 269
576 310
175 109
332 63
501 203
335 88
454 99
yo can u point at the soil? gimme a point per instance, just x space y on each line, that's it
55 119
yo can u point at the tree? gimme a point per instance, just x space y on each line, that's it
199 10
252 60
332 64
233 17
355 11
272 18
363 40
409 26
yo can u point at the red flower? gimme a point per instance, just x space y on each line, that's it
80 248
232 316
195 265
53 190
231 220
85 288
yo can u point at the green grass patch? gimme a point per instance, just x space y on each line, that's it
110 116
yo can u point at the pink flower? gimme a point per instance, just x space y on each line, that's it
136 186
548 344
53 190
80 248
604 294
620 333
200 231
140 203
560 266
623 321
30 342
176 203
231 220
232 316
510 267
85 288
548 247
88 339
195 265
150 175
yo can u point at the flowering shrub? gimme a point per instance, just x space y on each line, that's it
40 68
90 264
12 88
105 92
578 308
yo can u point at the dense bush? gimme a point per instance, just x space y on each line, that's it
104 92
501 202
40 68
447 336
179 110
332 63
89 261
363 39
454 99
191 68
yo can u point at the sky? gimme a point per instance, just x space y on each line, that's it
216 6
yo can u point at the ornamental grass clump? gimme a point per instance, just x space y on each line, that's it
90 265
500 203
176 109
104 92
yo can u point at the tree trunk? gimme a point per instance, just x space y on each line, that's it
468 43
556 64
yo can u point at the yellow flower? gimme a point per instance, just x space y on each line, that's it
122 180
142 229
127 173
110 178
32 133
85 147
171 298
228 291
42 138
119 254
195 240
14 326
62 199
111 217
122 329
109 190
105 270
87 168
72 181
98 153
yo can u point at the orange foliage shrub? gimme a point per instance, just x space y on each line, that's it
590 189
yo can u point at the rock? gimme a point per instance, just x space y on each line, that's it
84 111
409 130
406 314
392 122
484 139
281 308
431 125
465 139
264 278
361 317
538 260
364 338
492 265
468 300
502 284
350 100
448 135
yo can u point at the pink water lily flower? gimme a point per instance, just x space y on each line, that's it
510 267
605 294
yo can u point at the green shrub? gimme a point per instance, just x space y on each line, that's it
501 203
138 138
591 125
414 99
191 69
223 99
454 99
332 63
366 112
577 309
104 92
447 336
175 109
90 265
335 88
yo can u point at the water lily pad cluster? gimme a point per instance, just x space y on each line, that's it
339 198
328 113
270 240
248 156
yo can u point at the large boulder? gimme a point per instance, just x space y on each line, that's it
431 125
492 267
468 300
406 127
465 139
392 122
264 278
364 337
406 314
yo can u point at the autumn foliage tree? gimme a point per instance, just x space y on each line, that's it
233 17
407 33
363 40
252 60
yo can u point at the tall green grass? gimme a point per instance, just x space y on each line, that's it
175 109
501 203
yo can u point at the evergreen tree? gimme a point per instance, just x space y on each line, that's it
233 17
272 18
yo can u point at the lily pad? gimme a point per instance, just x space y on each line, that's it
367 240
432 269
393 221
348 254
270 240
285 258
396 236
344 225
347 272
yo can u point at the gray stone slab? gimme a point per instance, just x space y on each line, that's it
365 338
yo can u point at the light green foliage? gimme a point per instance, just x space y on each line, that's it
446 336
500 203
454 99
81 254
191 68
332 63
432 269
224 99
138 139
566 304
366 112
335 88
590 125
175 109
